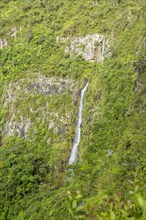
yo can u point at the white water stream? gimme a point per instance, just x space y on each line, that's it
74 152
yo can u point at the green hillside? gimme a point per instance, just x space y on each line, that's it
49 50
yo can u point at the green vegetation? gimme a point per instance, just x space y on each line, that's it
109 179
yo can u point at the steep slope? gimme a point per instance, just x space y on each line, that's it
48 50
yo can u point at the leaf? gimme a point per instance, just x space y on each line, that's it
71 212
79 196
74 204
80 208
140 200
113 217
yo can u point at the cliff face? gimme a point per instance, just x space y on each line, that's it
23 100
49 49
93 47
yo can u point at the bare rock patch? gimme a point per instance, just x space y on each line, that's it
92 47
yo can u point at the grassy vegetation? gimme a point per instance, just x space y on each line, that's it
109 180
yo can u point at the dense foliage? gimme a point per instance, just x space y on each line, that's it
109 180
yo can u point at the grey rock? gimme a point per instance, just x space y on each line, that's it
109 153
3 43
92 47
19 128
95 3
49 86
49 141
17 92
138 86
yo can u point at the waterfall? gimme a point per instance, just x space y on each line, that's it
103 49
74 152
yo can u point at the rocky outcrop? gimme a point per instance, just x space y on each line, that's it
40 85
13 32
138 86
49 86
19 128
95 3
93 47
3 43
21 119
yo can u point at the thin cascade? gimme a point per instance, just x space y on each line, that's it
74 152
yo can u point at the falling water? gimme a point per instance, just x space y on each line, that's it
103 47
74 153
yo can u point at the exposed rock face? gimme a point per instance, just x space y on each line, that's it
40 85
14 32
95 3
92 47
3 43
19 128
138 86
21 119
129 16
50 86
109 153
